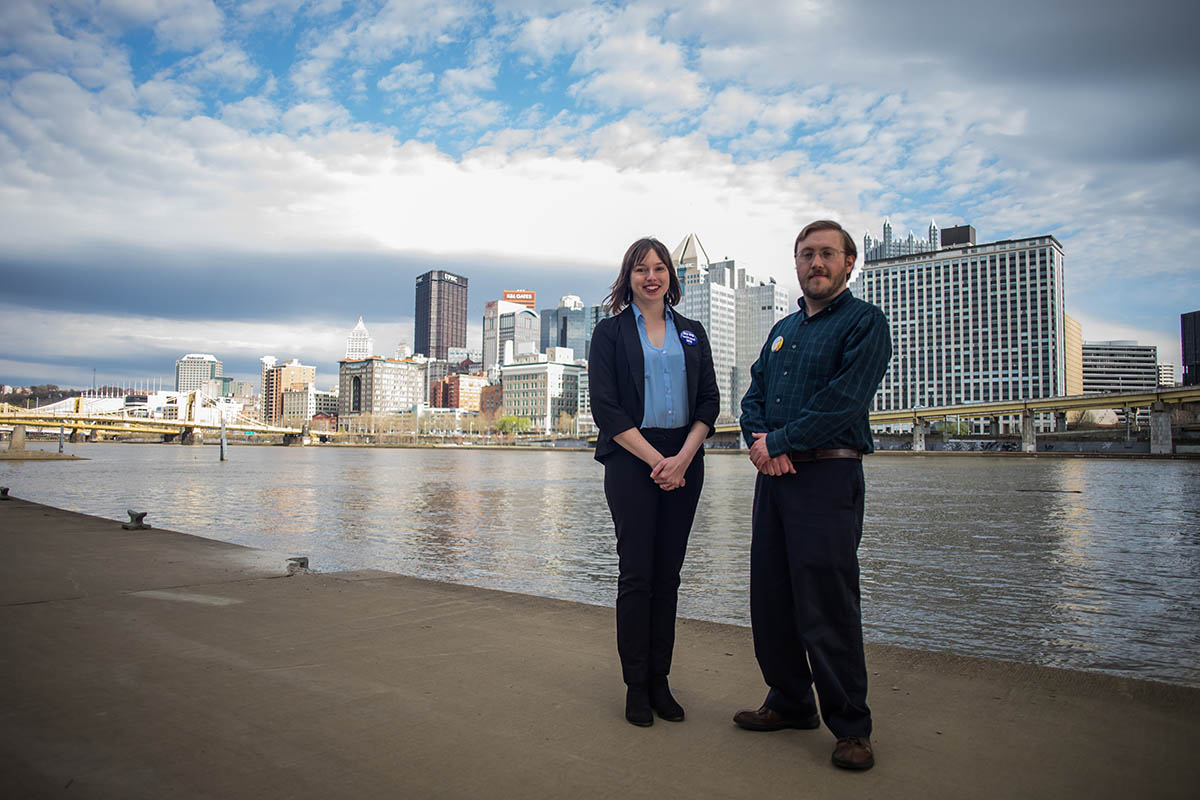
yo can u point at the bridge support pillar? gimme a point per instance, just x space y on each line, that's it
292 439
919 430
1160 430
993 426
1028 440
191 436
17 442
1060 421
73 437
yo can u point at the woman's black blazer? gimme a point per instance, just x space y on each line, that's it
617 377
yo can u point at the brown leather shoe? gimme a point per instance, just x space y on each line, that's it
768 719
853 752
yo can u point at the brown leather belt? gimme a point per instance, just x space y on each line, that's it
802 456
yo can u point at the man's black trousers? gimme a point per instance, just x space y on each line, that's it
652 533
804 593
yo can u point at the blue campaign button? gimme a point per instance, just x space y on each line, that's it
688 338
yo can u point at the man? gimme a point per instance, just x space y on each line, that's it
805 419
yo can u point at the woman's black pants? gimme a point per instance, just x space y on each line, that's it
652 532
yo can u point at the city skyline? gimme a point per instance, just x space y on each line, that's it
194 177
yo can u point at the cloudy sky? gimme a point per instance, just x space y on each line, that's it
248 178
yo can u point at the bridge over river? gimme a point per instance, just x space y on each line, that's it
195 413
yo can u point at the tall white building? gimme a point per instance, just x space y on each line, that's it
359 343
504 322
760 304
195 370
708 300
971 323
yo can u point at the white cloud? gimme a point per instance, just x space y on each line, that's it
640 71
309 75
187 24
221 63
168 98
409 78
703 117
250 113
469 80
307 116
411 25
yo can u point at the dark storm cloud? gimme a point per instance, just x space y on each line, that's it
1058 42
239 286
1096 80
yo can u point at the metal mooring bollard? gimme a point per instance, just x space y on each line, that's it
297 564
136 520
4 493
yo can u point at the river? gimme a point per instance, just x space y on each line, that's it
1084 563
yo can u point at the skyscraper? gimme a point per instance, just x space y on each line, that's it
195 370
359 343
708 300
570 325
505 322
971 323
441 313
760 304
1189 334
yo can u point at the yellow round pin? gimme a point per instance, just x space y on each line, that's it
778 343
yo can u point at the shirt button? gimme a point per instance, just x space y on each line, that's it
785 372
778 399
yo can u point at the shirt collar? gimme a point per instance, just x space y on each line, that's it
834 303
641 319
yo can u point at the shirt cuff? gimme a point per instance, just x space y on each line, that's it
777 443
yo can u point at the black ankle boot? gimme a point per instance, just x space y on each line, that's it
662 701
637 705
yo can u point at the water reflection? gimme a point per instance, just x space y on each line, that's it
1085 563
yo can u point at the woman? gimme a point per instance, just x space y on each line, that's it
654 397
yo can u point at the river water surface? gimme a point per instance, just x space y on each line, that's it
1084 563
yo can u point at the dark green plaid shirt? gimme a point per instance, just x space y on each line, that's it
814 380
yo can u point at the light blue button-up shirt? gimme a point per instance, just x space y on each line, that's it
666 377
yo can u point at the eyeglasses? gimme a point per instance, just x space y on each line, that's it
807 255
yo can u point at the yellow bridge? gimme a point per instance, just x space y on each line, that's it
81 415
921 416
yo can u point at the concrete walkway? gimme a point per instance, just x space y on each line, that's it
160 665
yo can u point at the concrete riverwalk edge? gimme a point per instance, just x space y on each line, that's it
157 664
